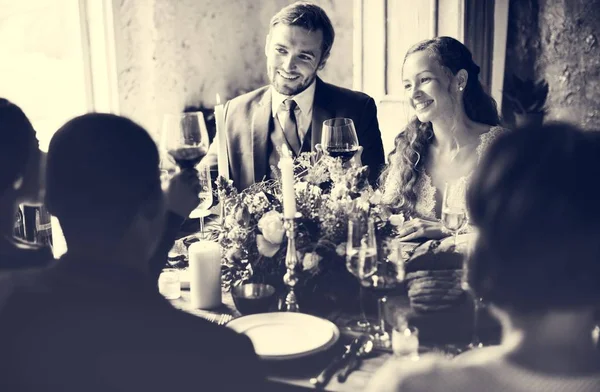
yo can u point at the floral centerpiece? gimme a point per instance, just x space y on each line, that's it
328 192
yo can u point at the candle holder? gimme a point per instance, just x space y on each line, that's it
291 262
222 208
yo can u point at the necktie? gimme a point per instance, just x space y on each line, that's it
290 128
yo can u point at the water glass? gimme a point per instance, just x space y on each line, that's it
169 284
405 342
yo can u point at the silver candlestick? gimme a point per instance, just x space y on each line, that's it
291 263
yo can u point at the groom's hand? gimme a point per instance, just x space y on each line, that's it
182 192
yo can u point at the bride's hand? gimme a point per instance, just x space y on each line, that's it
422 228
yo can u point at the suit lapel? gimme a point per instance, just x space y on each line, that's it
321 111
261 121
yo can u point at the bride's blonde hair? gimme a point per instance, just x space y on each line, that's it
405 163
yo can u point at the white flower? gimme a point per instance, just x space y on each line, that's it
376 197
266 248
311 260
397 220
271 226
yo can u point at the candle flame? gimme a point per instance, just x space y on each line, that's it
218 99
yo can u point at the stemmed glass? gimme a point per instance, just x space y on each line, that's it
361 261
338 138
185 138
206 198
389 275
477 305
454 213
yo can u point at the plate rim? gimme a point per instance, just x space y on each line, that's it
334 338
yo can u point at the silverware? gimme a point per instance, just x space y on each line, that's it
355 360
219 319
323 378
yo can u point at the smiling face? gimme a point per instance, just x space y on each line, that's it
294 55
428 87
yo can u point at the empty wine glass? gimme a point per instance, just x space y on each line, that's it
454 213
477 305
361 261
388 277
338 138
206 198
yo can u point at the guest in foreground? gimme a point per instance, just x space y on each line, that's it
22 181
21 163
258 123
536 262
94 322
455 122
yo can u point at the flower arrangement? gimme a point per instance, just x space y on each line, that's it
328 193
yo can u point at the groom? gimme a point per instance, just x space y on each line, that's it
292 109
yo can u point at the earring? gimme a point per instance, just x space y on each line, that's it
460 88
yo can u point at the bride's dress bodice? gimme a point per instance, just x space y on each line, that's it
426 191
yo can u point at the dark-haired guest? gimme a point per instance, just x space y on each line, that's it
455 122
536 261
291 110
21 173
94 321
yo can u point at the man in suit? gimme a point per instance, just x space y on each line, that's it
94 321
291 110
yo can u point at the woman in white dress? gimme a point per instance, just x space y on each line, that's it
536 262
455 121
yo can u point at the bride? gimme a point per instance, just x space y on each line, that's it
455 121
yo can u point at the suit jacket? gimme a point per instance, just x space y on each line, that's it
86 327
248 121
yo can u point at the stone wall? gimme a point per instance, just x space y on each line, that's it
173 54
558 40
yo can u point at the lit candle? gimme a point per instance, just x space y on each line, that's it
223 161
286 165
205 274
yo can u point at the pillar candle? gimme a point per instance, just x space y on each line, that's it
286 165
223 160
205 274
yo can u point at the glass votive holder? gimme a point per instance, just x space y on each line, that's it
405 343
169 284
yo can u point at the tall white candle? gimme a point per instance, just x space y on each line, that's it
223 160
205 274
286 165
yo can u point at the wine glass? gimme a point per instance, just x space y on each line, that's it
206 198
185 138
361 261
477 305
454 213
388 276
338 138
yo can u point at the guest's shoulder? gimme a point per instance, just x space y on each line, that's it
429 373
247 99
341 92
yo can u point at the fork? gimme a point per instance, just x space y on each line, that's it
224 319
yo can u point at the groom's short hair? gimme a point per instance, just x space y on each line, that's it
310 17
534 199
100 168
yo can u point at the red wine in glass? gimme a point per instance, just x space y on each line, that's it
346 153
338 138
187 157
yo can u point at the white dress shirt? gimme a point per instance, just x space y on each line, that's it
303 111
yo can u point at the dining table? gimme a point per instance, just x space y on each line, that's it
446 333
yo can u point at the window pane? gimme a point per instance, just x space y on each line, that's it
42 68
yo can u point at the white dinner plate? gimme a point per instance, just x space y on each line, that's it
286 335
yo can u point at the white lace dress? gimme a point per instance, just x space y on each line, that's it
426 202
